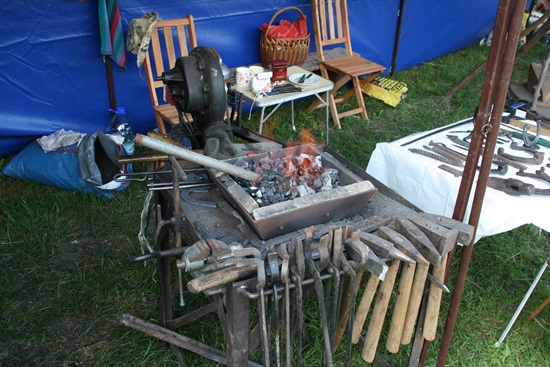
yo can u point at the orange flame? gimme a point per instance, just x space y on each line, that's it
306 136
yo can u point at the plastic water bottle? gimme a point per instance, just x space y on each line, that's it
121 125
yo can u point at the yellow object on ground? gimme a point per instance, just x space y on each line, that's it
387 90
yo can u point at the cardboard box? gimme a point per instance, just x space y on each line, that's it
533 78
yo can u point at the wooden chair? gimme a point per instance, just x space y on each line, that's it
170 40
330 20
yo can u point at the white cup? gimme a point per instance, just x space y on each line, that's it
242 78
255 70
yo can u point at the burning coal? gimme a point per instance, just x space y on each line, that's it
286 178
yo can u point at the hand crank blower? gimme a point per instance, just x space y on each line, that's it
197 85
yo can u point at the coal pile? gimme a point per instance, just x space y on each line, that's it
286 178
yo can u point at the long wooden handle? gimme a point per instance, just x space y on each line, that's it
533 128
379 313
400 308
220 277
344 309
434 302
364 307
415 300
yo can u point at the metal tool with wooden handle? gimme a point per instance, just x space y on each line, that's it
379 313
424 247
405 286
369 225
444 239
222 277
418 239
386 249
355 252
364 307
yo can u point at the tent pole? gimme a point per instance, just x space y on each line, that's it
110 82
397 36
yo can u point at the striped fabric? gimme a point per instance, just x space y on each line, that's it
110 28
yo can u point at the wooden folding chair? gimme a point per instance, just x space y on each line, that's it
170 40
330 20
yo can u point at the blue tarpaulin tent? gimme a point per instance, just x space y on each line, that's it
53 74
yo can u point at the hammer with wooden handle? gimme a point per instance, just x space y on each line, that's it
379 312
242 269
423 247
374 265
385 249
444 240
359 254
413 279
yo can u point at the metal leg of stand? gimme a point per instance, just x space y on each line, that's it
523 301
238 317
326 116
325 102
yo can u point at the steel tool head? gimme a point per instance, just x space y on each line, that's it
443 239
402 243
297 263
465 231
383 248
418 239
357 251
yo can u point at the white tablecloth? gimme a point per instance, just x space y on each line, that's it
419 180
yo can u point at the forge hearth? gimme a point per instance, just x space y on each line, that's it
350 195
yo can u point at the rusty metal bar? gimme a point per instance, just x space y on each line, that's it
512 37
486 101
494 61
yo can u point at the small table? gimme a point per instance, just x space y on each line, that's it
324 85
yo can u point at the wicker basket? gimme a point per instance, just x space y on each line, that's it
293 50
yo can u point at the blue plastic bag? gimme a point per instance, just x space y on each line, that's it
58 168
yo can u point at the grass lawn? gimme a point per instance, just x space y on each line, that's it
65 283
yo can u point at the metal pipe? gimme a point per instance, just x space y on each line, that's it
492 135
397 36
486 101
196 158
522 304
481 118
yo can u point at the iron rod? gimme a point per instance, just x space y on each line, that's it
522 304
508 57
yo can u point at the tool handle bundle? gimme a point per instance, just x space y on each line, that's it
406 253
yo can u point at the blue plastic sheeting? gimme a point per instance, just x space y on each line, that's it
53 76
429 32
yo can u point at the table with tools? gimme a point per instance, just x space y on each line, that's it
425 168
311 85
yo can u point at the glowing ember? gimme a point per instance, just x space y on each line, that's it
288 177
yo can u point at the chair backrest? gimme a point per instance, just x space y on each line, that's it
330 21
170 40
